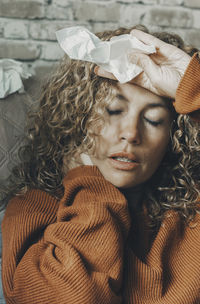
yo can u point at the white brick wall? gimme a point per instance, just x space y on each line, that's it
16 29
27 27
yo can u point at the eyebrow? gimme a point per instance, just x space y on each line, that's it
151 105
157 105
121 97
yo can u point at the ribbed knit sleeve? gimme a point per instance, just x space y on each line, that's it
68 251
187 99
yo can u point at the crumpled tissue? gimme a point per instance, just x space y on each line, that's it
79 43
11 74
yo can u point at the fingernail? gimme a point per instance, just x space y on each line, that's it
99 71
96 69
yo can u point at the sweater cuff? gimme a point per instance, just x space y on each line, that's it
95 185
188 92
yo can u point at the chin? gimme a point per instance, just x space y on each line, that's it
126 185
123 182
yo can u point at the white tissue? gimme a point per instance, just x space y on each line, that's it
11 74
79 43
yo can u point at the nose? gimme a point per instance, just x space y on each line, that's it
130 131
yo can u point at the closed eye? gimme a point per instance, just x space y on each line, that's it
114 112
154 122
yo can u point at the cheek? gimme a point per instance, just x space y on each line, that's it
104 141
156 150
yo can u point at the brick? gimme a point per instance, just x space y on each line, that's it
2 26
171 2
192 3
148 1
173 17
192 37
21 9
55 12
44 30
196 19
100 27
51 51
96 11
16 29
131 15
19 50
63 3
44 2
140 1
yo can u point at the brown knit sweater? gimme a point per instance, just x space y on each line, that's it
80 250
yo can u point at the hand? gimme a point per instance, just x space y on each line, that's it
162 71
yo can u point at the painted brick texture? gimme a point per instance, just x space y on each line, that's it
27 28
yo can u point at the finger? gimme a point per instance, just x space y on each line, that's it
143 80
138 79
103 73
147 38
150 69
145 62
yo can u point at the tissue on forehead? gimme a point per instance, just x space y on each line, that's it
80 44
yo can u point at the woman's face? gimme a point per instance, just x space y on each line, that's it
134 139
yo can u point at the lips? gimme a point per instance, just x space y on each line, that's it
126 155
123 161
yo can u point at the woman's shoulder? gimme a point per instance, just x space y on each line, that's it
176 224
196 221
187 94
33 200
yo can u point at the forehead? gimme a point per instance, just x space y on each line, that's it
139 96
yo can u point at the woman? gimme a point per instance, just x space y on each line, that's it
106 198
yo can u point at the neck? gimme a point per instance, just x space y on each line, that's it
134 197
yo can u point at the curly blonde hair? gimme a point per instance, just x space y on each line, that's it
73 99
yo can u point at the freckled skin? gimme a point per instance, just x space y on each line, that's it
137 122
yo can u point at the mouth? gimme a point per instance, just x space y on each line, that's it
124 161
